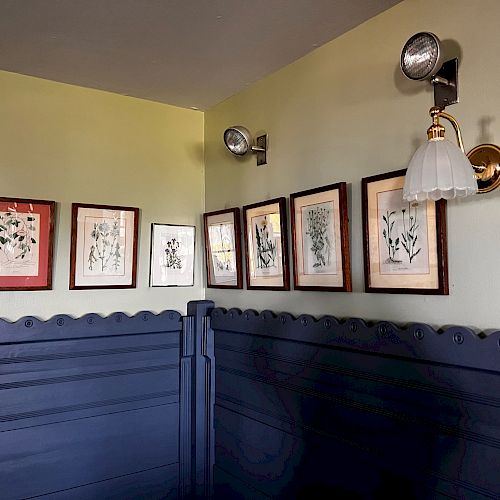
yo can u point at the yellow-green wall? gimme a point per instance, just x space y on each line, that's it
344 112
70 144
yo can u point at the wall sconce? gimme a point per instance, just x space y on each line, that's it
239 141
439 168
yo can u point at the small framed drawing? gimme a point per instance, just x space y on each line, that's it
172 255
266 245
26 244
223 248
405 246
320 232
103 246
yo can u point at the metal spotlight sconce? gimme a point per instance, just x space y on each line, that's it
439 168
239 141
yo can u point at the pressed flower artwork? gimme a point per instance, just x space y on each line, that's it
104 246
405 246
26 234
172 255
321 239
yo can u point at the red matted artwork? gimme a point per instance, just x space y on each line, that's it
26 244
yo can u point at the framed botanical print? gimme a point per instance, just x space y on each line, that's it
320 233
266 245
405 245
223 248
103 246
26 244
172 255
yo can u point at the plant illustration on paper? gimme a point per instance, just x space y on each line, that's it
391 242
318 220
19 240
222 249
409 235
403 239
266 247
172 255
172 259
105 251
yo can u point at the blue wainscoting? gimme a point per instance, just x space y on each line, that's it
311 408
89 407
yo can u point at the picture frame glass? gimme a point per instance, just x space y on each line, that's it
172 255
265 246
222 249
403 239
318 239
26 243
104 246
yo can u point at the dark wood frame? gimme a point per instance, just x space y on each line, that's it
284 244
153 224
441 243
74 226
344 238
237 242
50 244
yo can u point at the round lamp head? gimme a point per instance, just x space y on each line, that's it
238 140
421 56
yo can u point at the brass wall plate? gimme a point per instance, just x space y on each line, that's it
486 155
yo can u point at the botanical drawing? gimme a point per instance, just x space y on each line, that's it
104 247
410 228
403 240
318 238
19 243
222 249
391 242
105 250
171 251
266 244
172 255
266 247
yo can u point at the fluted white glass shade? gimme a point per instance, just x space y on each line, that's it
439 169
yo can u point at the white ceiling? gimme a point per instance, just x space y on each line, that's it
189 53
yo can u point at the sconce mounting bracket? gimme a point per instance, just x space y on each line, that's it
445 83
261 149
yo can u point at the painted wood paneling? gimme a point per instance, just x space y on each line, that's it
89 407
308 407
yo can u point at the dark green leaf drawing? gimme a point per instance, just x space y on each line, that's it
391 243
410 227
17 239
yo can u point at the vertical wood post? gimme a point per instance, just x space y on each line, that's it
197 394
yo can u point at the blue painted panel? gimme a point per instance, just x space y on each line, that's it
90 406
310 407
161 482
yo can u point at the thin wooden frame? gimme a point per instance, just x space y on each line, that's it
39 275
223 216
399 278
337 280
259 210
172 275
78 260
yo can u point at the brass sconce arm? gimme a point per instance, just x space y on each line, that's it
484 159
437 112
